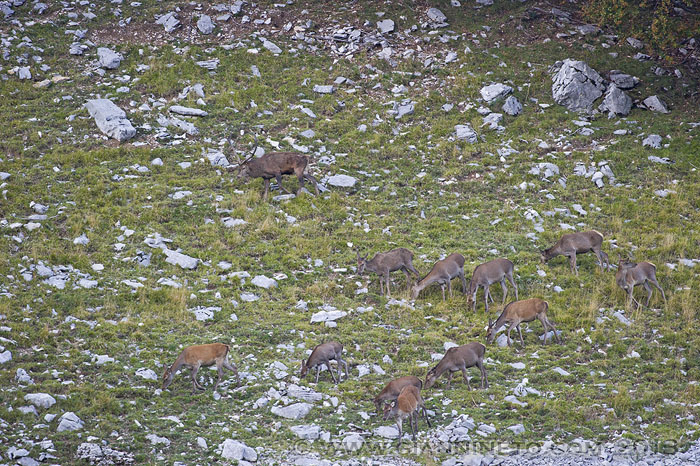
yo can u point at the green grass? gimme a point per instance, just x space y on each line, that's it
453 207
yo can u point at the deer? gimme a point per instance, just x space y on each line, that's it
393 388
442 273
408 404
274 165
197 356
384 263
577 243
459 358
630 274
518 312
323 354
485 275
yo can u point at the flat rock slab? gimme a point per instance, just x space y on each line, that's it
183 260
264 282
40 400
271 47
293 411
307 432
342 181
110 119
385 26
436 16
169 22
69 422
616 101
495 91
323 89
655 104
389 432
205 24
187 111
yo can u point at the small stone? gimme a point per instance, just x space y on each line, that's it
465 133
307 432
156 440
82 240
495 91
653 141
271 47
616 101
169 22
69 422
389 432
635 43
40 400
187 111
183 260
385 26
512 106
264 282
655 104
110 119
561 371
342 181
235 450
352 442
108 59
147 374
293 411
205 24
324 89
436 16
517 429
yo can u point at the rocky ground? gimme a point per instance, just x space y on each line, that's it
484 127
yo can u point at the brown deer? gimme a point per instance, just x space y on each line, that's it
274 165
517 312
408 404
577 243
631 274
459 358
485 275
197 356
323 354
442 273
393 388
384 263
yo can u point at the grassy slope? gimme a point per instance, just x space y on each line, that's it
458 216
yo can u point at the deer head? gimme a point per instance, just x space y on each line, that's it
361 263
242 166
490 334
304 370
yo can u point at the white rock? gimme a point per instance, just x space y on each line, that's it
321 90
271 47
69 421
655 104
40 400
327 316
390 432
202 443
512 106
385 26
22 377
82 239
101 360
5 356
293 411
561 371
169 22
653 141
352 442
264 282
108 59
188 111
147 374
307 432
514 400
517 365
249 297
495 91
235 450
342 181
576 85
465 133
436 16
110 119
621 317
156 440
517 429
205 24
177 258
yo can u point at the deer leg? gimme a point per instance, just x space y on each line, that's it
554 329
347 374
330 369
510 327
425 415
442 287
381 285
522 343
466 379
278 177
512 282
505 290
487 292
387 280
313 181
318 372
600 259
399 422
413 270
648 288
408 278
656 284
267 188
474 299
300 177
195 384
233 369
572 263
449 286
484 379
220 371
631 296
413 422
449 380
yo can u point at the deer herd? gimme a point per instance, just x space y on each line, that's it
401 398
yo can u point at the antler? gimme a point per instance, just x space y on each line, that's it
252 154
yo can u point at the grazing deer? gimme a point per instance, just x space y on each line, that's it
407 405
201 355
631 274
459 358
442 273
274 165
488 273
577 243
384 263
323 354
392 389
517 312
